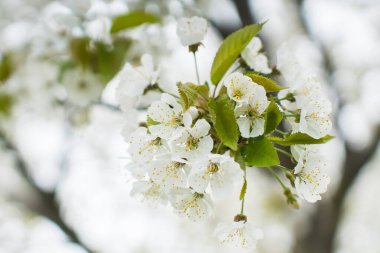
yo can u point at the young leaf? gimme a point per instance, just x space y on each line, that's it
131 20
6 67
299 139
268 84
223 118
230 50
260 152
151 122
6 102
243 190
273 117
190 93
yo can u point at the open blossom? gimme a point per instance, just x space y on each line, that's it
168 173
191 31
220 172
256 60
147 190
193 141
239 86
144 146
132 81
250 115
239 234
315 117
310 180
168 114
300 92
190 204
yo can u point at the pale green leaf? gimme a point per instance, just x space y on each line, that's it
243 190
223 118
299 139
268 84
192 94
230 49
132 19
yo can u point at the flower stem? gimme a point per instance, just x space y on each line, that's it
196 67
279 131
277 178
284 152
283 168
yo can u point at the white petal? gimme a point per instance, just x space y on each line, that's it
257 127
199 179
161 112
244 126
200 129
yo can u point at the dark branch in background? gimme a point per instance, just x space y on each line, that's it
325 221
46 205
244 11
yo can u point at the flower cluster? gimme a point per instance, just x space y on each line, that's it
196 146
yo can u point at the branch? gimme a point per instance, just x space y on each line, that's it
47 206
245 14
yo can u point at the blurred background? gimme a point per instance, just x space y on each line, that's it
63 185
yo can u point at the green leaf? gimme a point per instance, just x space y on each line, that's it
299 139
80 51
268 84
273 117
110 60
223 118
151 122
6 67
100 58
230 49
243 190
191 94
6 102
132 19
260 152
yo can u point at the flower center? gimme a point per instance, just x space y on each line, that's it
197 195
252 112
212 167
237 93
174 121
191 143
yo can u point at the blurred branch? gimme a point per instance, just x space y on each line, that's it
244 11
326 219
46 204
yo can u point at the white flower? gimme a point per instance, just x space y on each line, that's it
250 118
132 81
315 117
187 203
168 173
310 180
239 86
193 142
302 89
99 29
168 113
191 30
82 87
256 60
221 172
238 234
144 146
147 190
